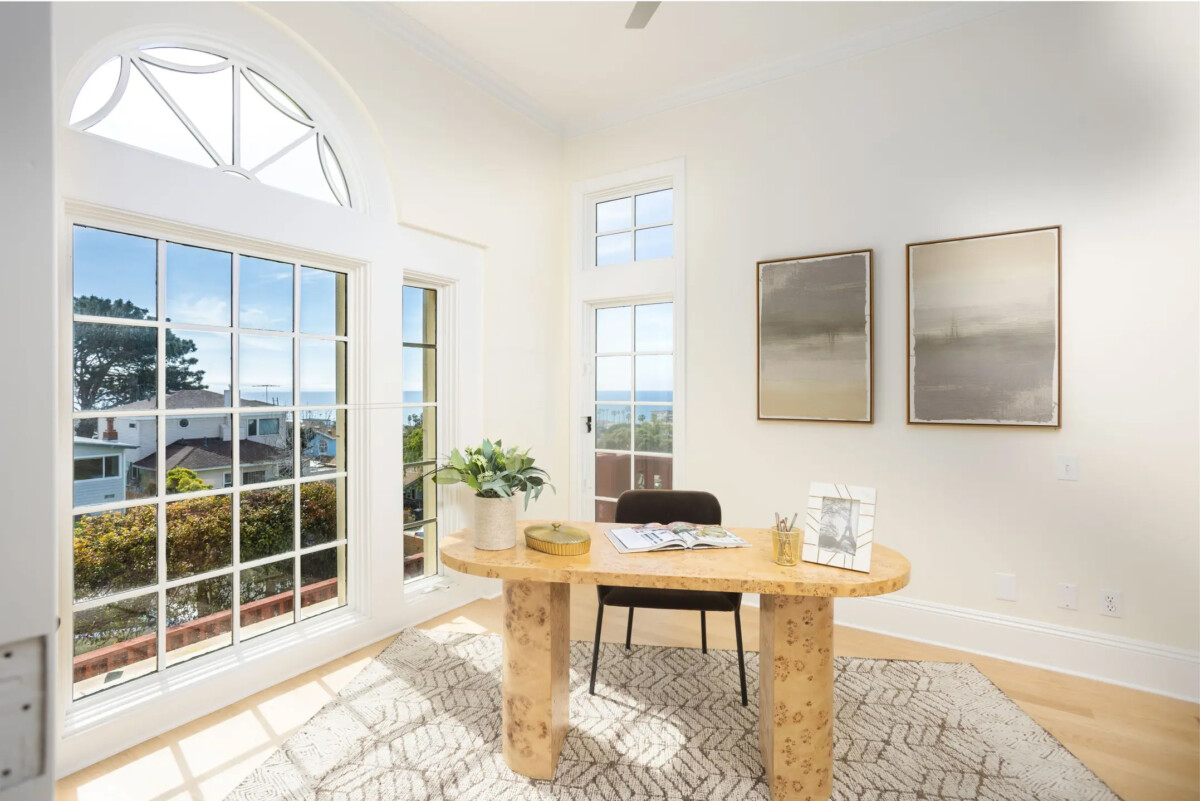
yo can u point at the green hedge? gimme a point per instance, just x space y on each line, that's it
118 551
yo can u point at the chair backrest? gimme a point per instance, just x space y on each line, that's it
668 506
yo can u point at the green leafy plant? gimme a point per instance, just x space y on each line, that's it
493 472
180 479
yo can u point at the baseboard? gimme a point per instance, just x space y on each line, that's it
1137 664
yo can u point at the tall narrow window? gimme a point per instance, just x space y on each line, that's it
420 432
210 405
634 401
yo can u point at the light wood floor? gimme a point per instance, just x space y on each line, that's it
1146 747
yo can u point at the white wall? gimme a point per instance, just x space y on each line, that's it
27 593
465 165
1083 115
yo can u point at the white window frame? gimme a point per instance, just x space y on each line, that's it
136 59
633 283
445 426
85 713
258 421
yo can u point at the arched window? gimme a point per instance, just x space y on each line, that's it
214 111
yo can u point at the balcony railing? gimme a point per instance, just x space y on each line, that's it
119 655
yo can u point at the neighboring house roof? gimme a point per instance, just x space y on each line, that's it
187 399
318 433
209 453
106 443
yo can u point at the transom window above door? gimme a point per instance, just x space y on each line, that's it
213 111
638 227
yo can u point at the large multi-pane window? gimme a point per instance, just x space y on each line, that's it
420 432
210 437
634 401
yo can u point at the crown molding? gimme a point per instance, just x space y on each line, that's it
951 15
394 21
389 18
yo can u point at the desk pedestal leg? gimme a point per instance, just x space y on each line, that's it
537 673
795 697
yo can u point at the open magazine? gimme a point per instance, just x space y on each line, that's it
673 537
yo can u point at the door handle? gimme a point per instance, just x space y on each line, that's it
588 422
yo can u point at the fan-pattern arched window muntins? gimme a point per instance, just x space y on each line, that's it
214 111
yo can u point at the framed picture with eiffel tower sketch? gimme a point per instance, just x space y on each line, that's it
839 526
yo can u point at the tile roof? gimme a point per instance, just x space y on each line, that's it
186 399
209 453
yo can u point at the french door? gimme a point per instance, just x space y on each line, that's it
631 402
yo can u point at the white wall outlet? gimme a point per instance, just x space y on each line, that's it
1006 586
1111 604
1068 596
1066 468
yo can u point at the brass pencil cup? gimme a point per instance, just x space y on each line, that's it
785 546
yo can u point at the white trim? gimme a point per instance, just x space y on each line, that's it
390 19
83 714
266 661
1124 661
638 282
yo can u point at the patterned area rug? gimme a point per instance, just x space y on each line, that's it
422 721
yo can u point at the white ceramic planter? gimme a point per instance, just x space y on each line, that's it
495 523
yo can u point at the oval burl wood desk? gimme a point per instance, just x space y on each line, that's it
795 706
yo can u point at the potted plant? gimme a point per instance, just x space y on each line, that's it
496 475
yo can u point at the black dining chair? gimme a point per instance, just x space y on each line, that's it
638 507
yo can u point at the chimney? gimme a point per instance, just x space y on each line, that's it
228 397
110 431
225 434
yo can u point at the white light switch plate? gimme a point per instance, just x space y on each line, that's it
1066 468
1068 596
1006 586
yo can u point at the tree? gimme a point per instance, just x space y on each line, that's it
180 479
115 364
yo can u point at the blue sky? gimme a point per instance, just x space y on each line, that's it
111 265
199 285
265 294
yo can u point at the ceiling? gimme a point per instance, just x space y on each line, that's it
574 68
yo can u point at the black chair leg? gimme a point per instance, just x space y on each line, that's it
596 647
737 624
629 629
703 633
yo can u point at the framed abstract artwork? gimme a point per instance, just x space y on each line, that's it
985 330
839 526
815 347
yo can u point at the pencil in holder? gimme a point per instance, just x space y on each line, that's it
785 546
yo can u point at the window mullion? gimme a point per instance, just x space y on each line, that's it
296 598
237 119
235 437
161 450
180 114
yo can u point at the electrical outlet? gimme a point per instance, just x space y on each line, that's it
1006 586
1111 604
1068 596
1066 468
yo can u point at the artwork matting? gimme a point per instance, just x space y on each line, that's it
839 526
815 338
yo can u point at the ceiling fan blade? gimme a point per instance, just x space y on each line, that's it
642 12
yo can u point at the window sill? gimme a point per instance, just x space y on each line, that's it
88 713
